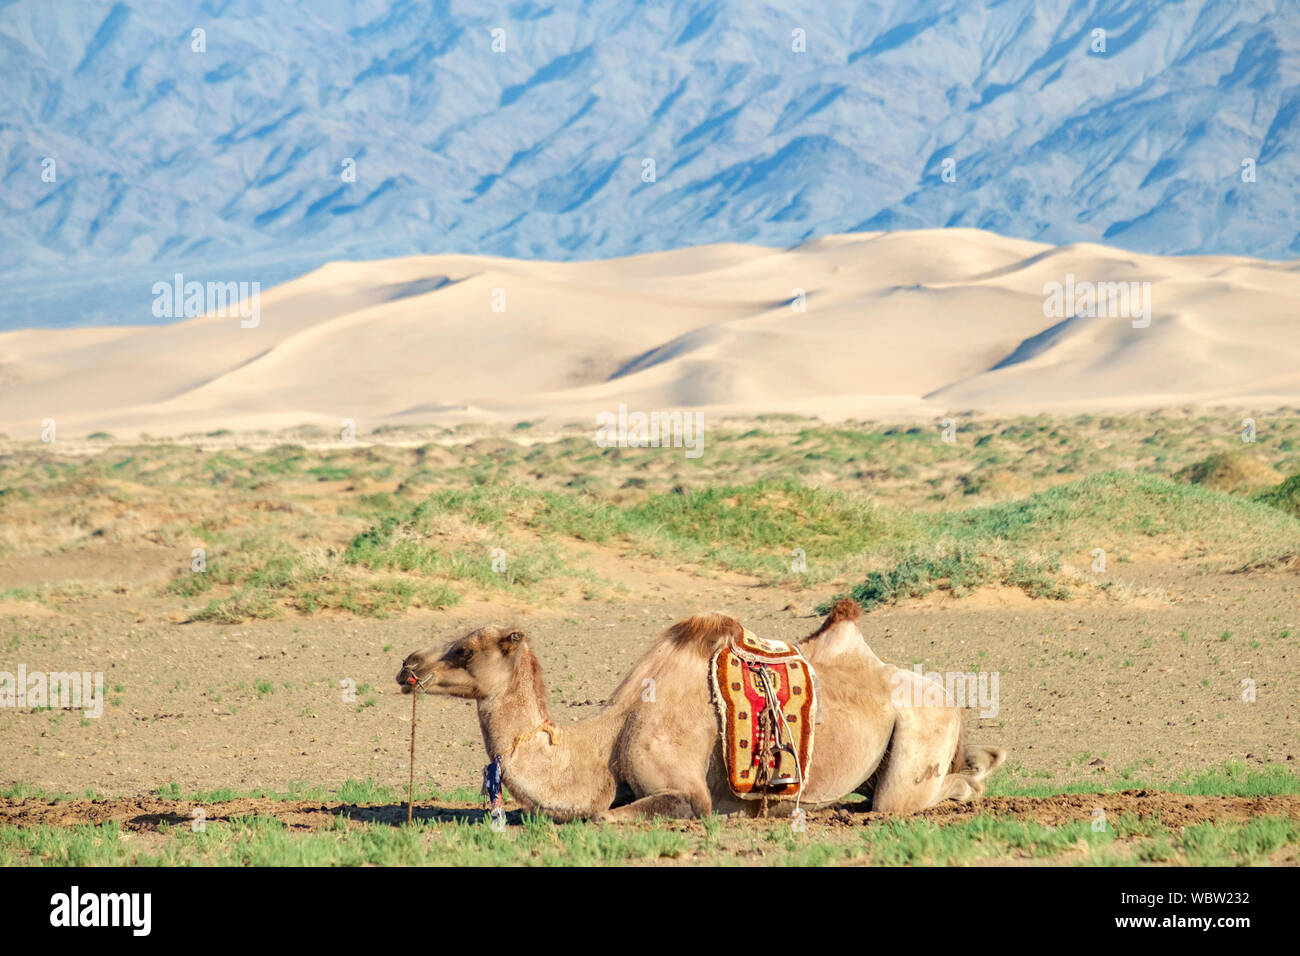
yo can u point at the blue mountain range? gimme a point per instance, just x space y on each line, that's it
241 140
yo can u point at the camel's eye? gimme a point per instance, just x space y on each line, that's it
464 654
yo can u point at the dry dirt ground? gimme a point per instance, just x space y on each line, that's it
146 814
1166 664
1103 690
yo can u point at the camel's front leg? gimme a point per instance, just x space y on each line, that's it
678 804
665 757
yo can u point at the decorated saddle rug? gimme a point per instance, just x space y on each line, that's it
766 698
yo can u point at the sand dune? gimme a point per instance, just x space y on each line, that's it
890 325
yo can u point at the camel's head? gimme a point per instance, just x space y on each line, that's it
476 666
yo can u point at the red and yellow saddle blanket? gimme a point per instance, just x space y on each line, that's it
766 699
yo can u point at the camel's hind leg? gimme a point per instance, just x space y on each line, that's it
914 774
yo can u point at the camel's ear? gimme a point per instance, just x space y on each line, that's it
509 642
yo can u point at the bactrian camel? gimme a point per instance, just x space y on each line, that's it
659 753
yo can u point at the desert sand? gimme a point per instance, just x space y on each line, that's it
880 325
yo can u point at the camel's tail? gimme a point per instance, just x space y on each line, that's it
975 761
959 762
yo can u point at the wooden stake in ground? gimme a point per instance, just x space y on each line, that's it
410 791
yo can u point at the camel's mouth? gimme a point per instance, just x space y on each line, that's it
408 680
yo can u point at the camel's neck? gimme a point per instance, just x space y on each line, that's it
565 771
516 711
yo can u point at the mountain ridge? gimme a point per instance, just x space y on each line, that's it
233 159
